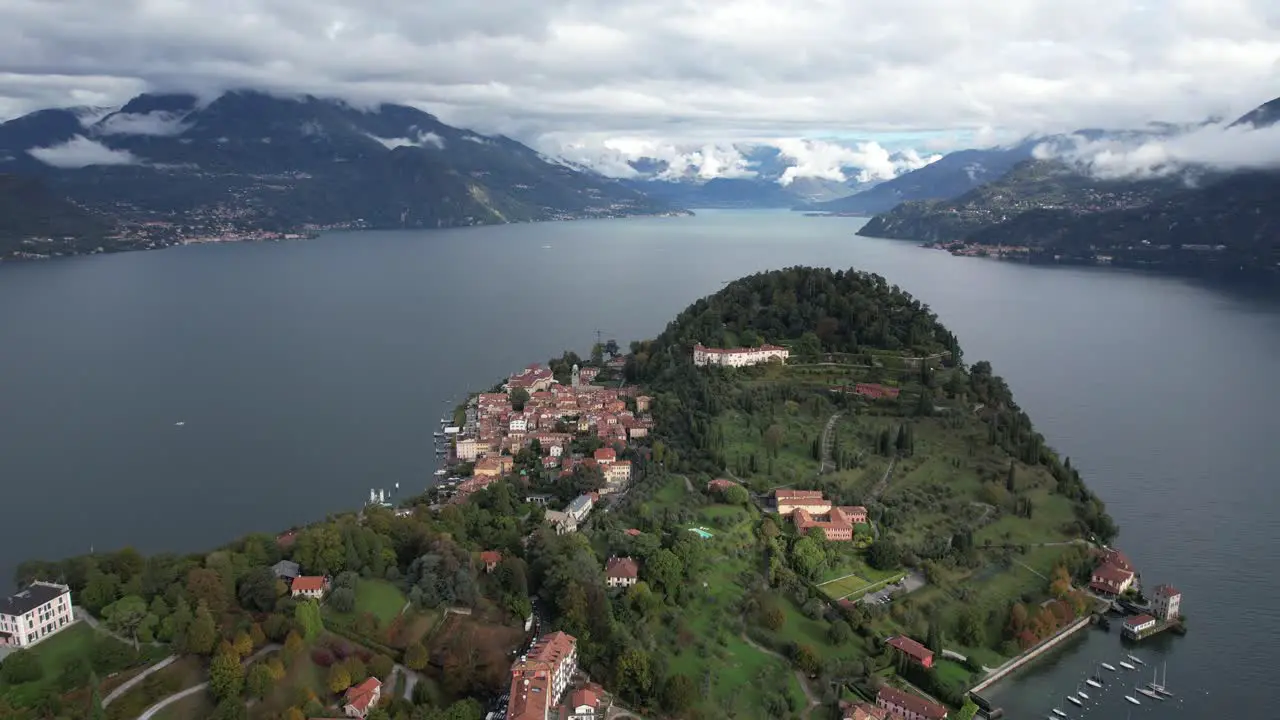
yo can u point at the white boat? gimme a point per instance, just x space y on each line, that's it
1148 693
1093 682
1059 713
1074 700
1132 699
1137 660
1158 686
440 473
1083 695
180 423
1109 666
1127 666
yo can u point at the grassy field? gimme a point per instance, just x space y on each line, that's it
193 707
379 598
74 643
183 673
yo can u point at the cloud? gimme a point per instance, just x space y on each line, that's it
684 73
613 157
156 123
1213 147
79 152
424 139
864 161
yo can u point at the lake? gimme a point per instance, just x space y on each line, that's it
307 373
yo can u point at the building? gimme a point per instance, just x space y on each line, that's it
907 706
468 449
286 570
1110 579
1111 556
490 560
605 456
539 679
621 572
738 357
788 501
532 379
312 586
34 613
584 704
359 699
1166 601
493 466
618 472
580 508
1138 625
562 522
720 484
916 652
643 402
862 711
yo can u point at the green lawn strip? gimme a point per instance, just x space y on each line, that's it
952 674
58 651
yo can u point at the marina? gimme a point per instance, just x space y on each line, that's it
1153 690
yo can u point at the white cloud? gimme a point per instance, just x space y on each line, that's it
79 152
155 123
1216 147
684 73
424 139
864 161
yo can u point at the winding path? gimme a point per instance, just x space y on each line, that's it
826 443
126 685
151 711
884 480
809 695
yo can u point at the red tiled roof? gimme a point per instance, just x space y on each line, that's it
1117 558
605 455
722 484
361 695
910 647
912 703
308 583
622 567
490 557
1137 620
584 697
781 494
634 532
1166 591
1112 574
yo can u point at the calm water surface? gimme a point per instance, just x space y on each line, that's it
306 373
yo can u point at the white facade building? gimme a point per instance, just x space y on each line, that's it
1167 602
738 357
33 614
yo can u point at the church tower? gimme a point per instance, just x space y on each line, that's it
575 382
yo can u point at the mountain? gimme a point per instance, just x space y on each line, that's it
1033 185
252 162
952 175
37 222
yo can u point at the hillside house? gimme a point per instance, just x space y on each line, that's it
360 699
621 572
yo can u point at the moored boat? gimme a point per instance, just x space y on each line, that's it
1137 659
1148 693
1093 682
1127 666
1074 701
1109 666
1132 699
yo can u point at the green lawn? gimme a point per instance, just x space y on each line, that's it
952 674
379 598
58 651
844 587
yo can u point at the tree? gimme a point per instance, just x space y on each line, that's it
293 643
884 554
243 644
230 709
206 585
933 640
736 495
634 674
257 636
226 676
970 629
380 666
807 659
519 397
339 678
257 590
678 693
307 613
839 633
125 615
415 656
295 713
773 439
665 570
20 667
259 680
808 557
772 616
1011 480
202 634
275 668
343 599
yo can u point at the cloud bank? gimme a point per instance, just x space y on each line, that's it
1212 147
156 123
80 152
865 161
424 139
687 73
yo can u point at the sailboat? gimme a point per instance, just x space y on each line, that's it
1132 699
1159 686
1148 693
1080 693
1109 666
1127 666
1137 659
1096 679
1074 701
1059 713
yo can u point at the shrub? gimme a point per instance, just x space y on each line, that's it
321 657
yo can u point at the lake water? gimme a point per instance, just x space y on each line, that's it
307 373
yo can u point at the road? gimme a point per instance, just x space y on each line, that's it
884 481
151 711
827 433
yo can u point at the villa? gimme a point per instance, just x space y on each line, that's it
917 653
738 357
621 572
310 586
360 698
904 705
809 510
34 613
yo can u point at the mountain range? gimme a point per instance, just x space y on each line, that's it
1200 219
169 168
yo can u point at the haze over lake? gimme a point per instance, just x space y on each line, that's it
306 373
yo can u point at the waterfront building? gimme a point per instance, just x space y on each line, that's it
1166 601
1111 579
34 613
1138 625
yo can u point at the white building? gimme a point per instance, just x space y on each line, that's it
35 613
518 424
1166 601
738 357
580 508
539 679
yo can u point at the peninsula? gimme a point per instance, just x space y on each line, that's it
798 495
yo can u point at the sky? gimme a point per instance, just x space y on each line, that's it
598 79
